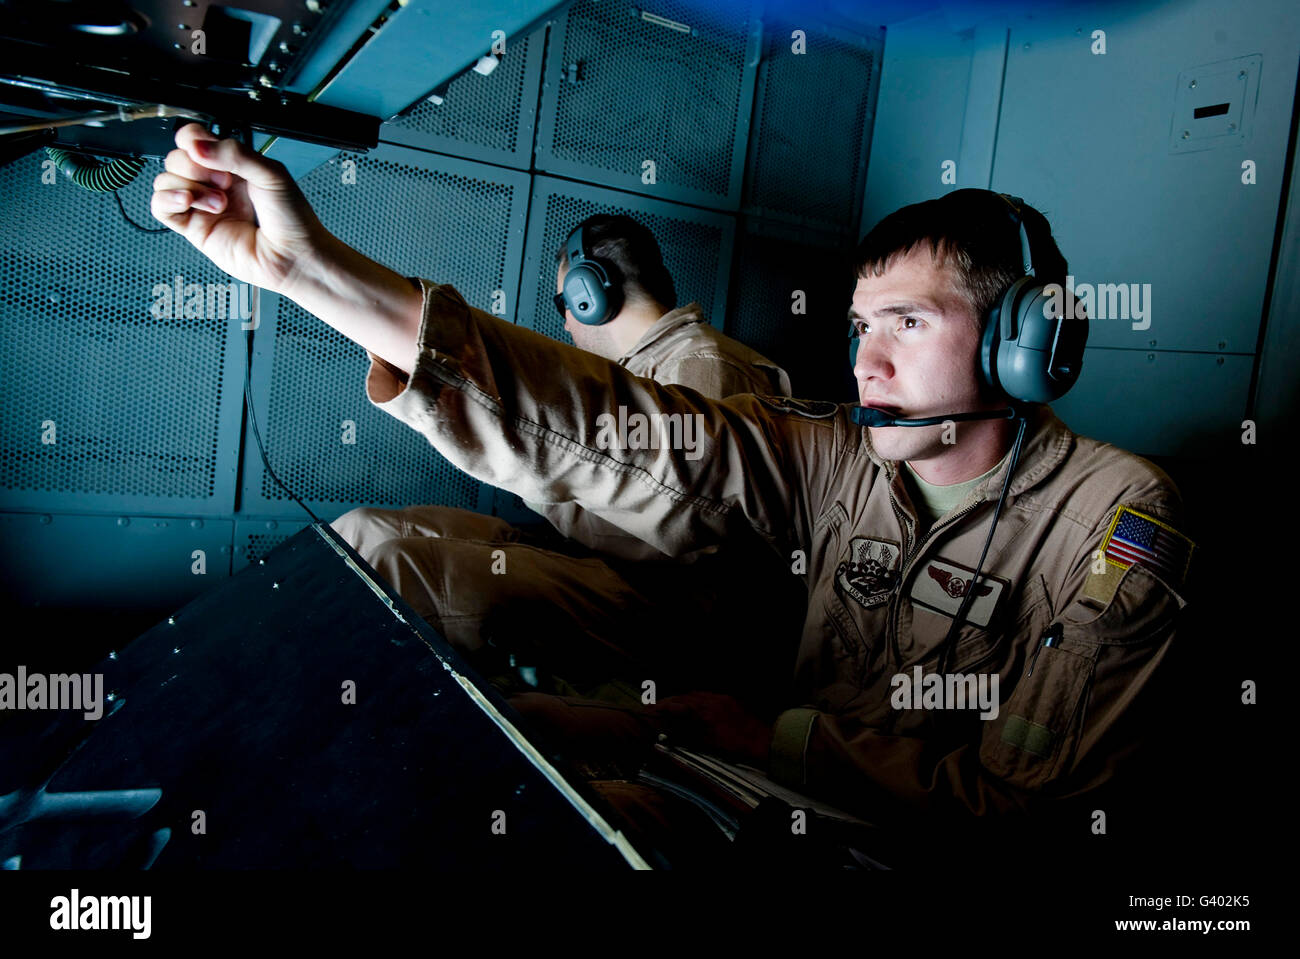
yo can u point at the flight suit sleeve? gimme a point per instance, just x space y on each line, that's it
1073 716
719 376
554 424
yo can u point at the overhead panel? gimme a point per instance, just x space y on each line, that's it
483 116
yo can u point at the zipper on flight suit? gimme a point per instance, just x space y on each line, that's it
891 622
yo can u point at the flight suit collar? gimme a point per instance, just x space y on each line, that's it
668 323
1045 447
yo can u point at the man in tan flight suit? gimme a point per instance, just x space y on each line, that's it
1069 620
591 598
1080 590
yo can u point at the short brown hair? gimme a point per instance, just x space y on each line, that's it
970 229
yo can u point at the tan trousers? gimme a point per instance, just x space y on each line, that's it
493 591
481 582
488 588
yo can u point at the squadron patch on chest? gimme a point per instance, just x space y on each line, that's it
870 573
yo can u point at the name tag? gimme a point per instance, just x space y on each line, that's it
941 586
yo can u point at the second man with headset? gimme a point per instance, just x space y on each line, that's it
578 595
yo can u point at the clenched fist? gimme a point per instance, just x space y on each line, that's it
240 209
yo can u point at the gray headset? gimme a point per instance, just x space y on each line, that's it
1026 353
593 289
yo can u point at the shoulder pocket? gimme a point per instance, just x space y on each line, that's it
1034 737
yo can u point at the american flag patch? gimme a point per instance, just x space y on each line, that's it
1134 537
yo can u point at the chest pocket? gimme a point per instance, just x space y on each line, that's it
978 647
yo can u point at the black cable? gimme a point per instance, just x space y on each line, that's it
970 588
142 229
252 421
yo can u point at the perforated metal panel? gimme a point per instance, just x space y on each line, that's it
811 345
136 404
696 246
621 90
449 220
812 114
481 117
254 539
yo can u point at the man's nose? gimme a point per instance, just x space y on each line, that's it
873 359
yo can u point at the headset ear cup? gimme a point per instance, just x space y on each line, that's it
1025 363
988 371
583 284
1020 370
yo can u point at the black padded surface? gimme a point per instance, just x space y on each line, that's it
236 709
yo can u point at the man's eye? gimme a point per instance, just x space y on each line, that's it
858 327
910 322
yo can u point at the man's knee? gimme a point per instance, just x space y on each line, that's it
367 527
393 560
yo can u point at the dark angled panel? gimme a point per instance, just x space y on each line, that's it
313 723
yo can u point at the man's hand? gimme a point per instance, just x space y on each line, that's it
717 723
244 213
240 209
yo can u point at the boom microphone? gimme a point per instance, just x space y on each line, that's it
867 416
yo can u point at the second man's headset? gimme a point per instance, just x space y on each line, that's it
593 287
1026 353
